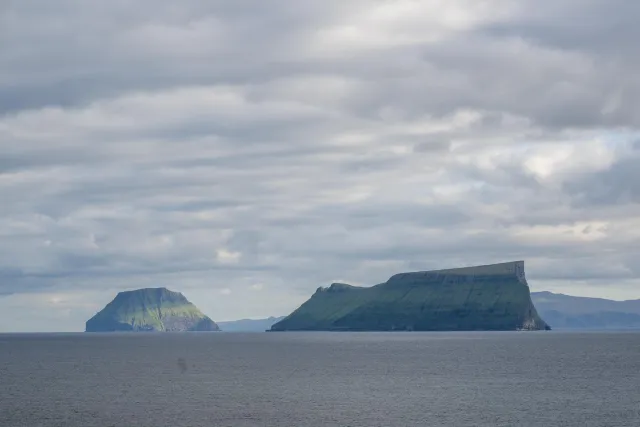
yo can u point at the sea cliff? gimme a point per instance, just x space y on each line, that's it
489 297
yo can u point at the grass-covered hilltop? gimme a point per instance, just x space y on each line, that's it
489 297
151 309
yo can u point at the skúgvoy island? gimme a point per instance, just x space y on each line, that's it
489 297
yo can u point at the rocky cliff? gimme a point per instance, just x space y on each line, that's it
488 297
151 309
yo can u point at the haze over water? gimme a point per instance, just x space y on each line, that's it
321 379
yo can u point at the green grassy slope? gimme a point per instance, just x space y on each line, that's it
152 309
427 301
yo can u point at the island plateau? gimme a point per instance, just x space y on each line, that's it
489 297
150 309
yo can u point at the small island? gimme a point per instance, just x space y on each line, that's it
148 310
482 298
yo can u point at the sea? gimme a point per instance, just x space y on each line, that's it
553 378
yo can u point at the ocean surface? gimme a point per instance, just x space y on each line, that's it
321 379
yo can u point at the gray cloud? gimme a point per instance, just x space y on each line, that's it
619 184
247 153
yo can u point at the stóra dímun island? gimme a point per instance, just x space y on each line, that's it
488 298
151 309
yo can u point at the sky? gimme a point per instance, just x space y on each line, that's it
245 153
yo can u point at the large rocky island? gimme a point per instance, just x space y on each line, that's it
488 297
150 309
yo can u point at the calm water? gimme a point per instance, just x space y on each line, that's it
321 379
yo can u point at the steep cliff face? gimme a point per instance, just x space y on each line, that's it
151 309
489 297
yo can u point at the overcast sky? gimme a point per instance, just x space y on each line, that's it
247 152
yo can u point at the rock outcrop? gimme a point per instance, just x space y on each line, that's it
489 297
151 309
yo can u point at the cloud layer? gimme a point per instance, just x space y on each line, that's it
246 153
